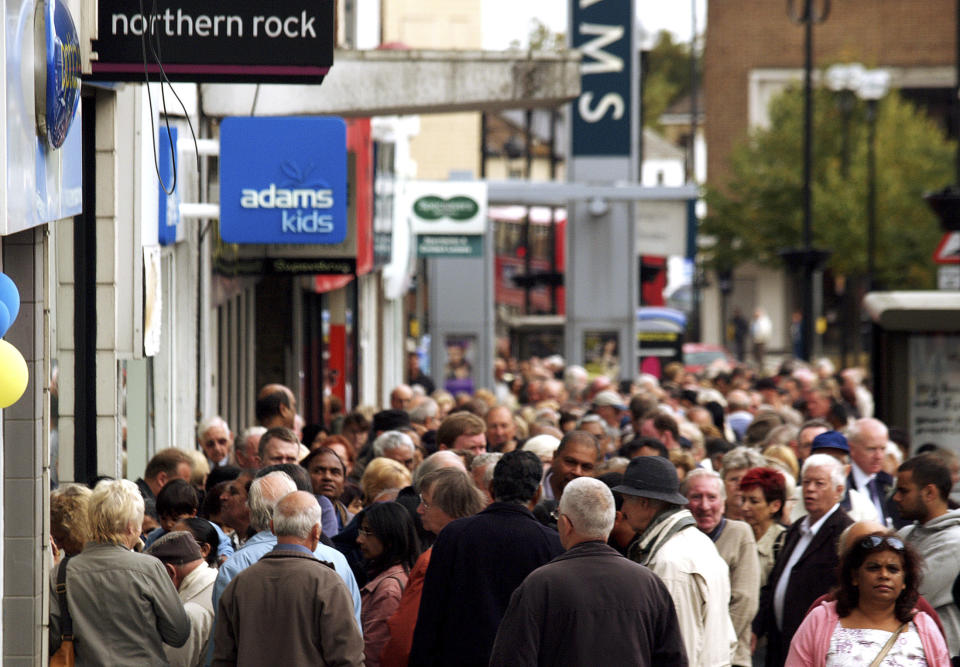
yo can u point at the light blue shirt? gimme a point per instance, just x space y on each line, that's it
256 548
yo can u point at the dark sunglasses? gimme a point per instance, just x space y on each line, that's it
875 541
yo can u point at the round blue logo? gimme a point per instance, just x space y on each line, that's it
63 71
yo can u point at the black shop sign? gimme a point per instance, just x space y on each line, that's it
250 41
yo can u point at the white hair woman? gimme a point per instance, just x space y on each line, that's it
122 604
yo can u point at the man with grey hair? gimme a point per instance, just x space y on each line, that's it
395 445
426 414
868 446
737 547
289 607
246 451
263 496
624 613
481 470
216 440
806 567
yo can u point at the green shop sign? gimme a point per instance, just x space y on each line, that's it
432 207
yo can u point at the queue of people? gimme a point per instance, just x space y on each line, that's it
556 519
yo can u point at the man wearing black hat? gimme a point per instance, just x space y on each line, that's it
193 579
670 544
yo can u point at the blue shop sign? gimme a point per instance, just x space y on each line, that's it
283 180
169 230
59 86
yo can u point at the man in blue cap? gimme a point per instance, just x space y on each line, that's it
685 559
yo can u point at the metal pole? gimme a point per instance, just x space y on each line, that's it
807 287
871 193
692 171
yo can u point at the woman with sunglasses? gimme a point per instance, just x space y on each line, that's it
873 620
390 547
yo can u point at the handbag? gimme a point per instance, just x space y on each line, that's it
64 657
886 647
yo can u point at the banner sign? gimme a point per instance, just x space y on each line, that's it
447 207
283 180
283 41
603 32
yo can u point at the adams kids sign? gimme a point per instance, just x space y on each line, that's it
283 180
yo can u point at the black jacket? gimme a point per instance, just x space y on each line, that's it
590 606
475 566
812 576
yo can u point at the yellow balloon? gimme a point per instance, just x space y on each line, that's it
13 374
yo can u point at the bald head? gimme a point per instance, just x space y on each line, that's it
868 444
445 458
855 532
297 520
276 406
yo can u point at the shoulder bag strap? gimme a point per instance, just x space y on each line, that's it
66 622
886 647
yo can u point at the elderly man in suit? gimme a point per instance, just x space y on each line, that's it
805 568
868 447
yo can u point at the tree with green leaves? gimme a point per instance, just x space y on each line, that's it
667 77
758 210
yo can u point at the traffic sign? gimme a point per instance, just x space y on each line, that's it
948 278
948 251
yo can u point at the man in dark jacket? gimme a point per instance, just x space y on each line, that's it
566 612
477 563
806 567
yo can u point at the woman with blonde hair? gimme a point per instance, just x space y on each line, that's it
122 604
380 475
69 523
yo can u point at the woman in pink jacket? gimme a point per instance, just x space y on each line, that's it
389 544
873 614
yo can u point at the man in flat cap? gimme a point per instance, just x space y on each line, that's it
193 579
685 559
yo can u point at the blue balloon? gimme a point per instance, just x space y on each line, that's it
10 297
4 320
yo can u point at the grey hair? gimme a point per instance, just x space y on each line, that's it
741 458
855 432
392 440
490 460
835 468
209 423
702 472
442 459
296 523
588 503
781 435
427 409
264 494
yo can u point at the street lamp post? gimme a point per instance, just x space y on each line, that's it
852 81
874 85
807 257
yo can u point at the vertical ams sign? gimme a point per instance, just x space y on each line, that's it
603 32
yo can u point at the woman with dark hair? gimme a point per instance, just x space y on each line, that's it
206 536
764 494
389 544
873 620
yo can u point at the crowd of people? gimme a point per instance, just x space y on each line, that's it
725 518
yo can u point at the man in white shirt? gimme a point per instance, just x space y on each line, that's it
805 568
868 447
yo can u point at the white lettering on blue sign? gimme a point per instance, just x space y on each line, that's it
274 197
310 223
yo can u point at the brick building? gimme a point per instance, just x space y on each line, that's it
753 50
